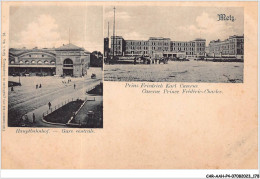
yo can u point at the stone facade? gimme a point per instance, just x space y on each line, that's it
157 45
119 44
65 60
233 46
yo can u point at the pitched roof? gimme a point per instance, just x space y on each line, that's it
18 52
69 47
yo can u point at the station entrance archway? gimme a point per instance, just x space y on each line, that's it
68 67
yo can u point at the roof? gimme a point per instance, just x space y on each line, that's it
237 36
18 52
199 39
117 37
159 38
136 40
69 47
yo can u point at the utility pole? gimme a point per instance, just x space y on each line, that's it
107 51
114 33
19 74
108 29
69 35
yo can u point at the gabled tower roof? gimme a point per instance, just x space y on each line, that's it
70 47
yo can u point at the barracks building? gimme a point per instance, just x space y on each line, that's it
157 45
66 60
233 46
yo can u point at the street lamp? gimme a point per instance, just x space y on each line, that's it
19 74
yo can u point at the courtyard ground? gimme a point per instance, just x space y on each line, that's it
188 71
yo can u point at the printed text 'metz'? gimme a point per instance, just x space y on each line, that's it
224 17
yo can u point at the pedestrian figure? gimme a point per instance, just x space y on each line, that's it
49 104
37 86
12 88
33 118
68 81
74 86
134 61
40 86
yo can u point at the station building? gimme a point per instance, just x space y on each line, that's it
66 60
157 45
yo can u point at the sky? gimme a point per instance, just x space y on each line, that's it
49 26
177 23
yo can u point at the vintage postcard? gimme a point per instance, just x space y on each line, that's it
129 85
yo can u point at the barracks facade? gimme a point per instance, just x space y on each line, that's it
157 45
233 46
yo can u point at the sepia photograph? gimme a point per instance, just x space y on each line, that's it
174 44
55 66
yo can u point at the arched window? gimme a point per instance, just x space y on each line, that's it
40 62
33 61
12 62
46 62
26 62
67 63
21 62
53 62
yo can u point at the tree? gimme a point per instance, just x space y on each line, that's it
96 59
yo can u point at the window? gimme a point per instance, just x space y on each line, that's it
12 62
39 62
21 62
26 62
46 62
42 55
30 55
33 62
